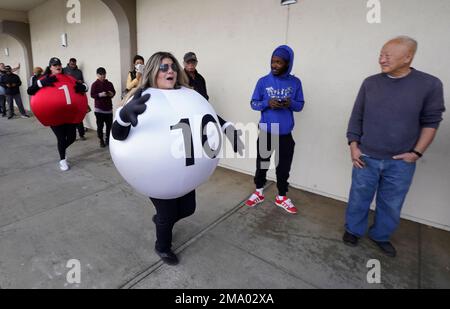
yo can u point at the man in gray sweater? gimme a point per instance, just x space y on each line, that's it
395 119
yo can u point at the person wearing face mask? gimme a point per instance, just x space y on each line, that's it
162 71
65 133
277 96
134 76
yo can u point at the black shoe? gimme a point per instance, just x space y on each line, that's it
350 239
102 144
168 257
11 117
82 138
386 247
3 115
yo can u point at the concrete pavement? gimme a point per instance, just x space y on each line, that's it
90 214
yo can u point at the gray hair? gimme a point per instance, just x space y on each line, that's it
408 41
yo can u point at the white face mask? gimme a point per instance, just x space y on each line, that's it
139 68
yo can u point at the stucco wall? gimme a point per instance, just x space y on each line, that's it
336 48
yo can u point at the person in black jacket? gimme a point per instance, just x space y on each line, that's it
73 70
65 133
11 82
162 71
196 80
2 98
37 74
2 89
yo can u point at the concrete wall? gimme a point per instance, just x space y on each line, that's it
13 15
16 55
94 42
336 48
125 14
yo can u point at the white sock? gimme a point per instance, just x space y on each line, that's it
260 191
280 197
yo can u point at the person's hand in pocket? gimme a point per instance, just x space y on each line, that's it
356 155
409 157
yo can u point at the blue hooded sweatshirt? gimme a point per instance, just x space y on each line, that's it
278 87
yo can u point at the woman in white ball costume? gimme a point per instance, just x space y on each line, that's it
161 80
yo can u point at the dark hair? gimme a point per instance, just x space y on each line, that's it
101 71
138 57
73 60
47 71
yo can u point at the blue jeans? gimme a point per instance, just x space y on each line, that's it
390 180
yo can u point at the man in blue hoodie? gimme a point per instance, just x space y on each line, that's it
277 96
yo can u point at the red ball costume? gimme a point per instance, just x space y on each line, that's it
60 104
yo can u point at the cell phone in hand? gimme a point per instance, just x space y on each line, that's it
282 102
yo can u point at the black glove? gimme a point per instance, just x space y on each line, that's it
134 108
233 136
80 88
49 81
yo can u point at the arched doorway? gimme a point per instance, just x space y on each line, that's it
125 13
15 37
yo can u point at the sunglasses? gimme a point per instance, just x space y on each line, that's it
165 67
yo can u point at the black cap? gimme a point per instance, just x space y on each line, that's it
101 71
54 61
8 68
190 57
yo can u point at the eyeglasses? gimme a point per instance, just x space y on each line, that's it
165 67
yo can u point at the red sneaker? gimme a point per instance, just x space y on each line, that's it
286 204
255 199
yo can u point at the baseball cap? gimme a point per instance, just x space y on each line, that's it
190 57
54 61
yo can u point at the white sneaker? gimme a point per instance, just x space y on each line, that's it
63 166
